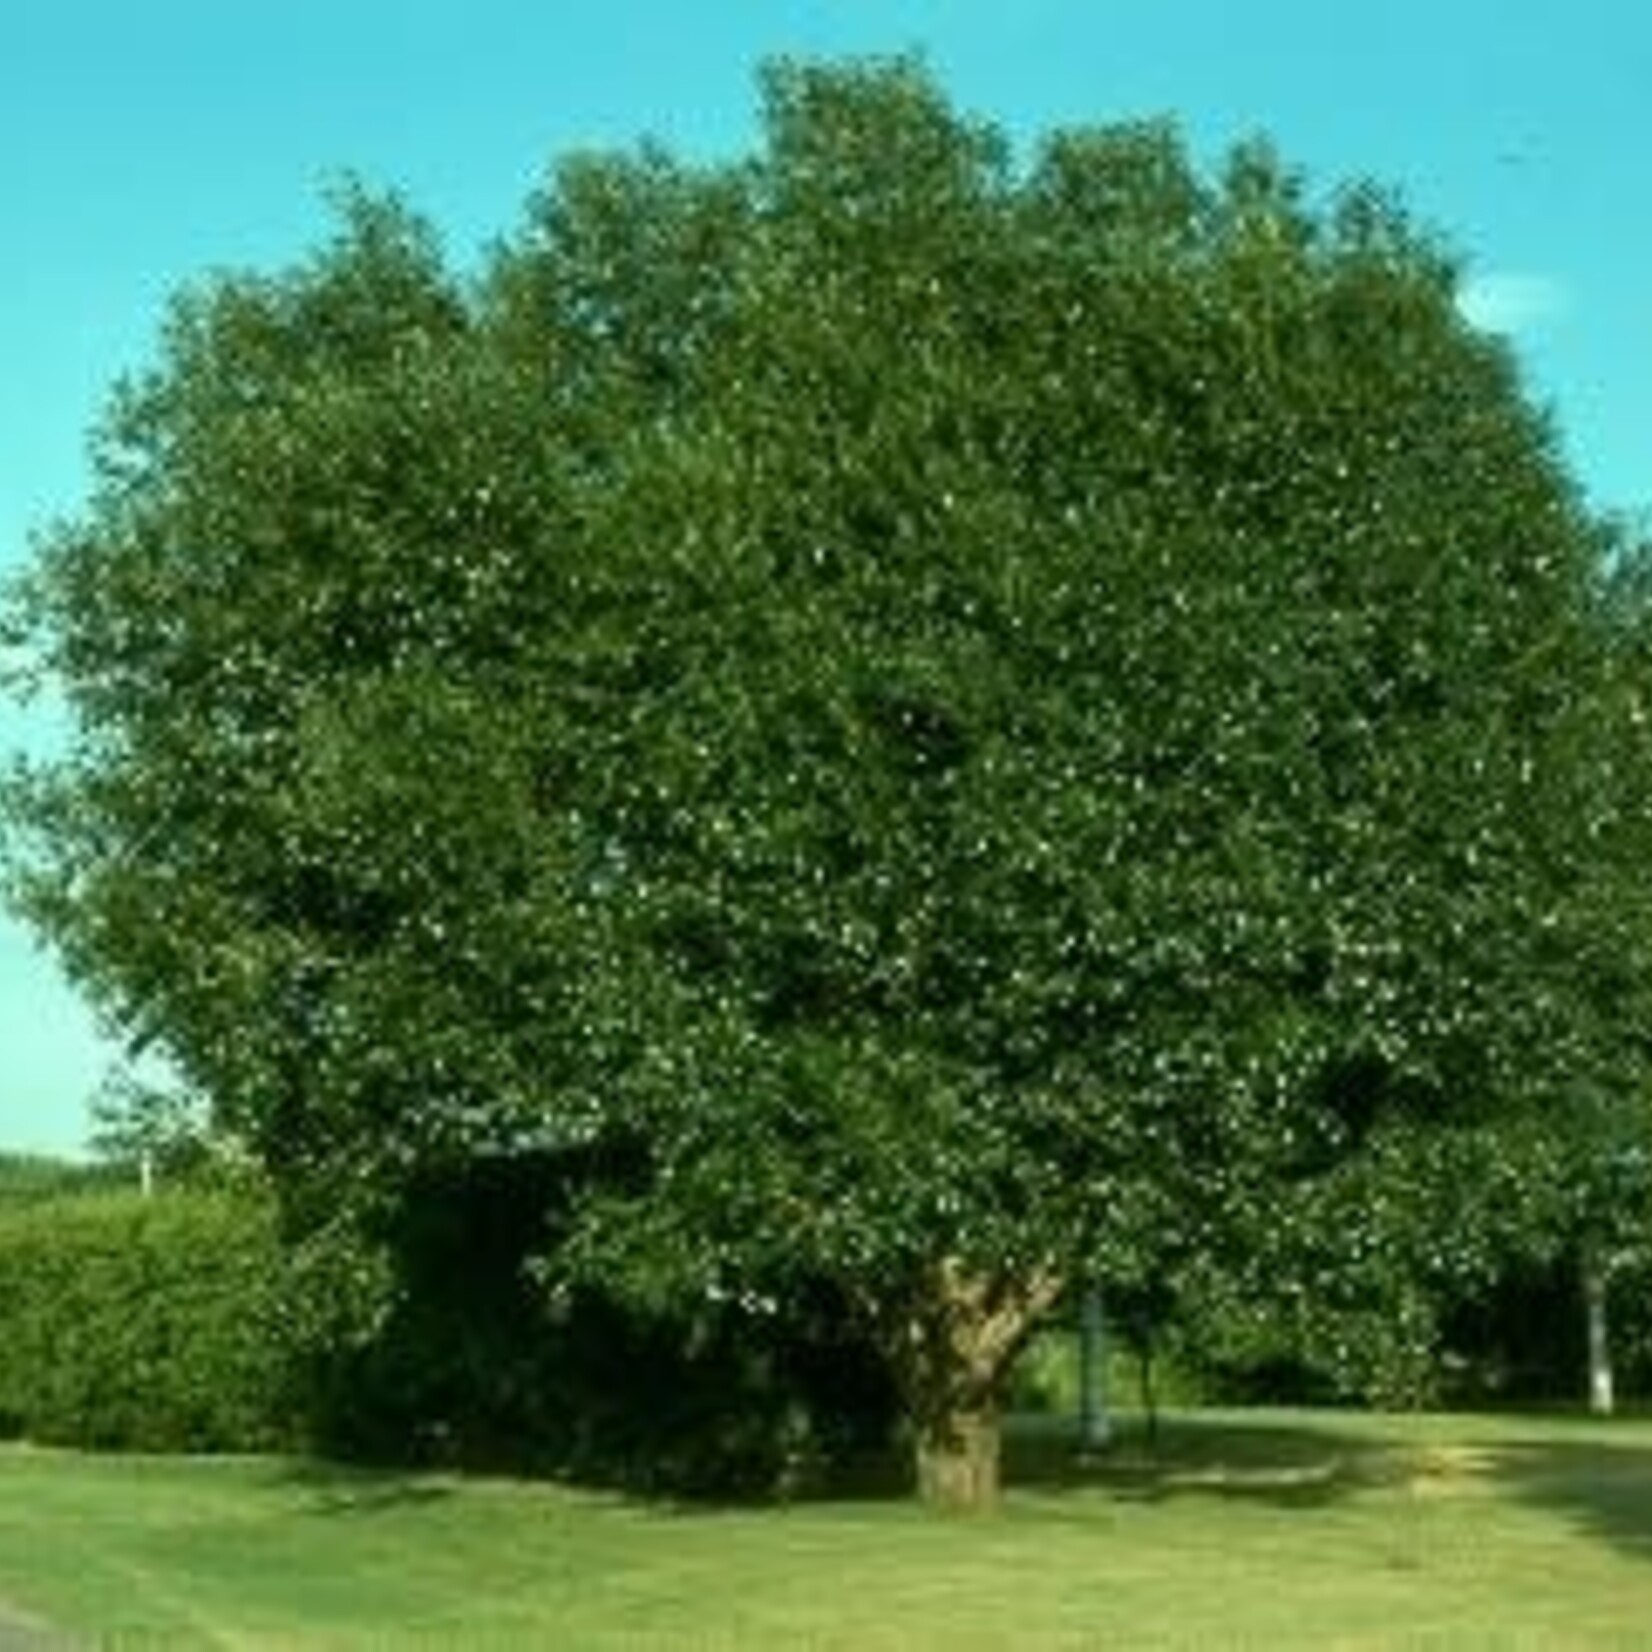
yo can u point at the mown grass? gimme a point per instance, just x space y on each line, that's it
1242 1530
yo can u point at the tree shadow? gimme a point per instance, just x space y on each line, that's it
1282 1462
334 1490
1599 1485
1597 1481
1276 1460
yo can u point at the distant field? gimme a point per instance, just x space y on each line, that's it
1263 1530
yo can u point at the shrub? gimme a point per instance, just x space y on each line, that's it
144 1323
430 1340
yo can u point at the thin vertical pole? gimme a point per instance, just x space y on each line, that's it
1095 1426
1600 1342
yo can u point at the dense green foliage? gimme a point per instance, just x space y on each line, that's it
448 1352
151 1324
919 724
183 1322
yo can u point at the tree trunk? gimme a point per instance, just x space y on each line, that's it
958 1457
1600 1343
953 1349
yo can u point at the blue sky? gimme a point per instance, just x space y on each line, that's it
142 144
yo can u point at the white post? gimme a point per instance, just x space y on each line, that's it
1600 1342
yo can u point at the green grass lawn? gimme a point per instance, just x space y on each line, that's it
1261 1529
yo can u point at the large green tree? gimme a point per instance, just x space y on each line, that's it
917 719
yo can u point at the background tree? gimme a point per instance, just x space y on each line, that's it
150 1132
900 718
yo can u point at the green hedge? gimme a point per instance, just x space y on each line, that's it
151 1324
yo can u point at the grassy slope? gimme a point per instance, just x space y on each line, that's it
1264 1530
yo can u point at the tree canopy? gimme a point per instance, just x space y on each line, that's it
920 717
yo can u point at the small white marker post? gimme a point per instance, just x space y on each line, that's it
1600 1342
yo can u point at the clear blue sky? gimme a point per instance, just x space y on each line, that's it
145 141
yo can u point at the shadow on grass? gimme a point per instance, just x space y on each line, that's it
1597 1480
1289 1462
1600 1486
340 1489
1279 1462
1284 1462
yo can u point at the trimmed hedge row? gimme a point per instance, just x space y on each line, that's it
152 1324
